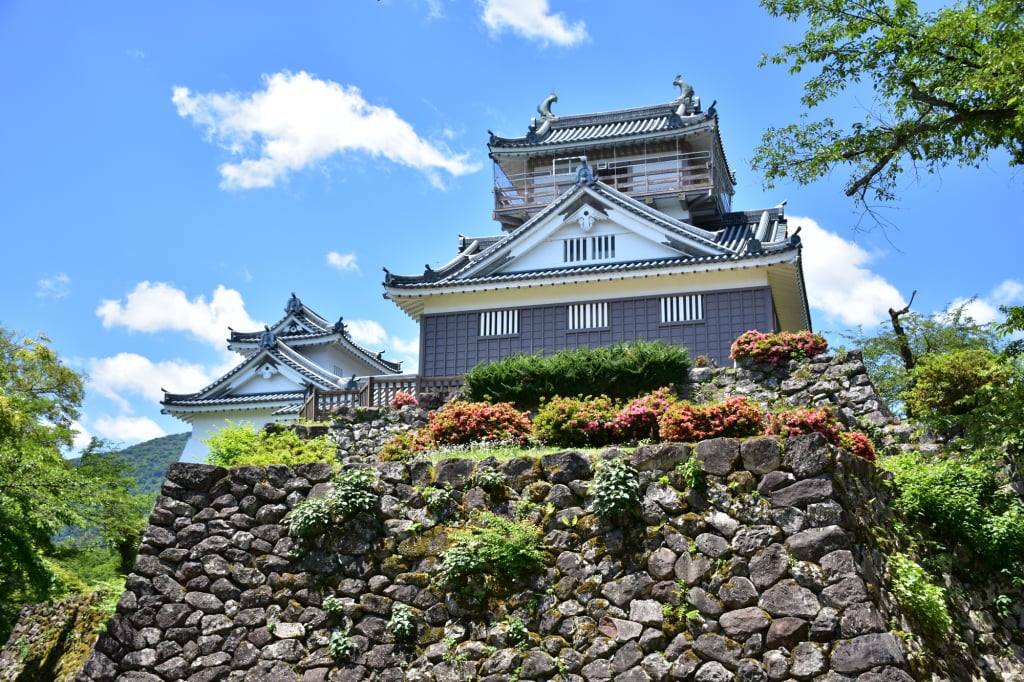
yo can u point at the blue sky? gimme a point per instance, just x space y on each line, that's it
173 169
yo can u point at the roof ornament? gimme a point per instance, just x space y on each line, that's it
689 104
544 108
267 339
794 239
585 174
340 327
294 306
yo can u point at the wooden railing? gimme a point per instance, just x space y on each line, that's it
637 178
376 392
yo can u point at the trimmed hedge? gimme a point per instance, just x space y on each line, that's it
622 371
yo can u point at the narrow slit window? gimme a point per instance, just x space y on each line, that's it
499 323
687 308
587 316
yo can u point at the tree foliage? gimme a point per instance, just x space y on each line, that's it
927 335
946 83
40 491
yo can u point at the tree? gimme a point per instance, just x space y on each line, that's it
40 491
39 400
923 336
946 84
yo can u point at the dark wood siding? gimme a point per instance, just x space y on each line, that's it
450 343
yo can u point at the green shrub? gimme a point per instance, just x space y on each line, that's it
239 444
494 548
615 489
575 421
731 418
920 599
963 502
461 422
231 443
406 445
948 386
621 371
775 347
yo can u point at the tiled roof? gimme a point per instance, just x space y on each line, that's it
192 399
311 328
603 126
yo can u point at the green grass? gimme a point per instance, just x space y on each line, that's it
478 451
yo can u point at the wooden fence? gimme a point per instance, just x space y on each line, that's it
376 392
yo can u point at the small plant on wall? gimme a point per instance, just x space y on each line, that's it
615 489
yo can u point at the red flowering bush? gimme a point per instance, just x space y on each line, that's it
576 421
460 422
406 444
401 399
732 418
858 444
757 347
799 422
639 418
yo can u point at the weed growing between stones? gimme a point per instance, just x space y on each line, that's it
355 490
402 623
493 549
341 645
615 489
923 601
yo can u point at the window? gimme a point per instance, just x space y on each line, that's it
587 316
599 247
499 322
689 308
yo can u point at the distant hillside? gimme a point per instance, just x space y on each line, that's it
152 458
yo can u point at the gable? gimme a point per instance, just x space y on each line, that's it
586 226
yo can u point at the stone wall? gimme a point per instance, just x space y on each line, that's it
51 641
774 570
773 577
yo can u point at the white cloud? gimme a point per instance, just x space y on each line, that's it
299 120
985 309
54 287
373 336
82 438
533 20
132 374
342 261
153 307
367 332
128 429
839 281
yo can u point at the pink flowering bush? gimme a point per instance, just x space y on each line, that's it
401 399
461 422
799 422
576 421
731 418
758 347
406 445
858 444
639 418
